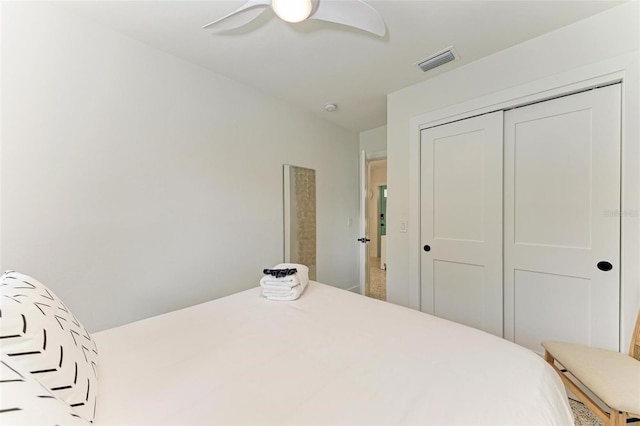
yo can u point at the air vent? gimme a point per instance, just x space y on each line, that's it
440 58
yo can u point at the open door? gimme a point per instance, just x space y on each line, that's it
364 226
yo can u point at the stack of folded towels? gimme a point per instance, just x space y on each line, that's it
283 283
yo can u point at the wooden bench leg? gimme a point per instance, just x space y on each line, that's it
548 358
616 418
608 420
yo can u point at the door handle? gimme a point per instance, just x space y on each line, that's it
605 266
364 240
427 247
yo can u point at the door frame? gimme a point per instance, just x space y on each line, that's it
623 69
363 264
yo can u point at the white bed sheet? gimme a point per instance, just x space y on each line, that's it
330 357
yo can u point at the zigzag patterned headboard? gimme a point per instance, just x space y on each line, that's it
40 336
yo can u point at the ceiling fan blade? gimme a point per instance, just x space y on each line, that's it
241 16
354 13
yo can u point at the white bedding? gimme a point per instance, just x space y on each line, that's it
330 357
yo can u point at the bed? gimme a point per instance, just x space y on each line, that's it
331 357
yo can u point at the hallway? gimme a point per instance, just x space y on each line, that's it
377 280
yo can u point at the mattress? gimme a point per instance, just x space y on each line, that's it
330 357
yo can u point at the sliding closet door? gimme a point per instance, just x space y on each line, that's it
461 221
562 224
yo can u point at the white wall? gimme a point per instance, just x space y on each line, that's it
610 34
374 141
134 183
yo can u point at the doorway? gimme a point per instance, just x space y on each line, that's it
376 224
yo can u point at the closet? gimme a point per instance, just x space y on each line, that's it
520 225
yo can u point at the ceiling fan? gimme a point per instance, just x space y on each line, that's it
353 13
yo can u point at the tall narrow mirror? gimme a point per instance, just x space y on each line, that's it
300 217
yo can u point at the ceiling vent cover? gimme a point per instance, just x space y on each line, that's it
440 58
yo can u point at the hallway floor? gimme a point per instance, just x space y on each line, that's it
377 280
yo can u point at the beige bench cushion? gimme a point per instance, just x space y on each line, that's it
614 377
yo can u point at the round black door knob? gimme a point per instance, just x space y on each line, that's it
605 266
427 248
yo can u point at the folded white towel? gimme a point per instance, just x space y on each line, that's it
283 294
271 287
271 281
301 277
292 296
280 293
285 288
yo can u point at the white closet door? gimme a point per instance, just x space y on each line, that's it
562 202
461 221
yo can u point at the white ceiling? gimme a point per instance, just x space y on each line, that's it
312 63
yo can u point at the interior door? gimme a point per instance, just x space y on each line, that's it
562 224
461 221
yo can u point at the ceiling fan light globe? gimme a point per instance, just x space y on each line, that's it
293 11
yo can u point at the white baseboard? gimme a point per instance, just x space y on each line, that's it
355 289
